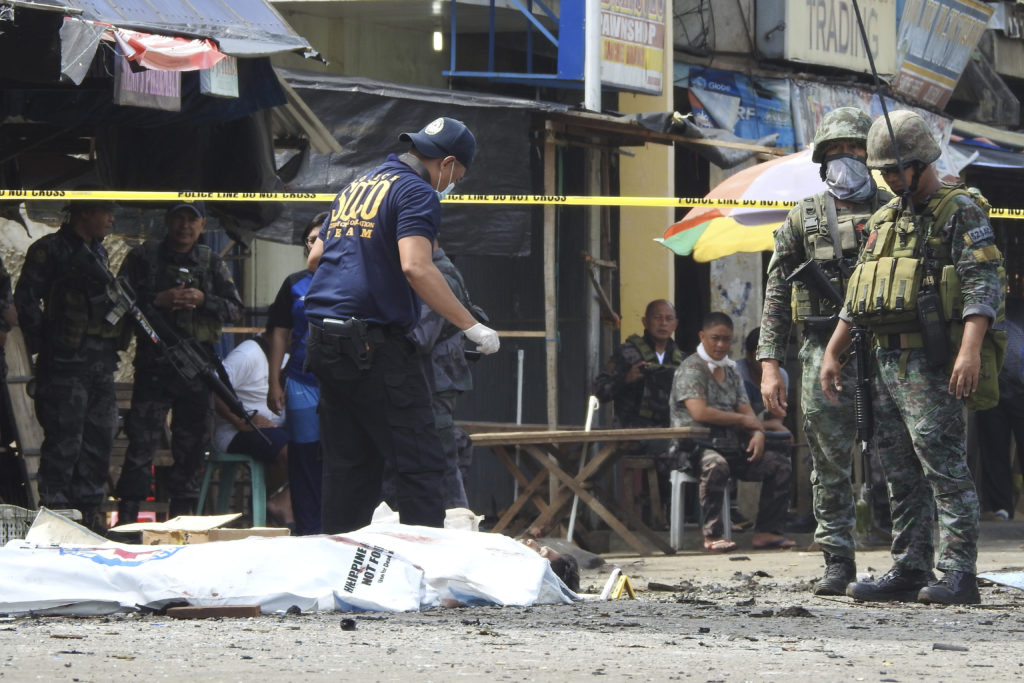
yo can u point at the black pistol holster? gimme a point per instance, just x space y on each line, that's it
352 338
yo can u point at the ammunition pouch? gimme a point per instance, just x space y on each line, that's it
820 324
884 293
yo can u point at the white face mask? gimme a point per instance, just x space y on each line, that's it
848 178
441 194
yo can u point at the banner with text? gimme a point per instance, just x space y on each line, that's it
633 44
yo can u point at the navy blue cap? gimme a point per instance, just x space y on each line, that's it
197 207
444 137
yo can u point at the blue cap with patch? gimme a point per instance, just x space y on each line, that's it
197 207
444 137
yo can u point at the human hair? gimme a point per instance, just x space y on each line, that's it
314 223
567 569
750 343
715 318
651 305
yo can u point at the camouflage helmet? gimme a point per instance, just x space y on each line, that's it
915 138
842 123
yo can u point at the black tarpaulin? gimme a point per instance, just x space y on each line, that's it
366 118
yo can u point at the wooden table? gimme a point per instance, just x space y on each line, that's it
554 451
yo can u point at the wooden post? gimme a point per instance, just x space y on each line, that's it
550 293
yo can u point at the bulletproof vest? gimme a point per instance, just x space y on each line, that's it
818 245
884 288
204 326
76 306
657 387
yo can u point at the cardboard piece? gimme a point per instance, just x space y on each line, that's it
192 529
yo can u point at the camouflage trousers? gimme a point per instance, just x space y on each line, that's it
153 394
78 414
773 469
831 432
926 466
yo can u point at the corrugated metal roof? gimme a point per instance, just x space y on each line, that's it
241 28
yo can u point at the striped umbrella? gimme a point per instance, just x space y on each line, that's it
712 232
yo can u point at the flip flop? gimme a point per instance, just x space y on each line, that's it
719 545
780 543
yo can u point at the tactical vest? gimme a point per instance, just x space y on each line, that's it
76 307
884 288
204 326
818 245
648 354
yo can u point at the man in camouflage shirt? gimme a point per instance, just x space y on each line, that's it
924 459
638 378
62 309
811 231
707 391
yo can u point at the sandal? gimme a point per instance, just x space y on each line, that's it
718 545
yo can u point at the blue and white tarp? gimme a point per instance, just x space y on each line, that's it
383 567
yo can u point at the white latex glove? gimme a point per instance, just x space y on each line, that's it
486 339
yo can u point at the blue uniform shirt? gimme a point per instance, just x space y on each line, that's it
360 273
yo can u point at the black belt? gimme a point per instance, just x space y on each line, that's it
316 329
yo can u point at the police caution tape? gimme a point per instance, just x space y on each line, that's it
320 197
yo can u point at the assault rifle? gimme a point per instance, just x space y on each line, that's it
186 355
811 275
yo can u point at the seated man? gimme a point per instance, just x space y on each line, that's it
708 392
248 369
638 378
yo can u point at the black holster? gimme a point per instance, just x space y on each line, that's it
352 338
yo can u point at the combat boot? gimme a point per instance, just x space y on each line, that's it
839 573
896 585
954 588
127 511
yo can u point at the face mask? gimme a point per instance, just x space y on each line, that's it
441 194
848 178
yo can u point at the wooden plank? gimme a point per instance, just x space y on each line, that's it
230 611
580 436
29 436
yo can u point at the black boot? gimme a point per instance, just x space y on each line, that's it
839 573
954 588
127 511
896 585
181 506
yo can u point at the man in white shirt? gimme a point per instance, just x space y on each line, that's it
248 370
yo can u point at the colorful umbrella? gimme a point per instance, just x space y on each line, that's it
713 232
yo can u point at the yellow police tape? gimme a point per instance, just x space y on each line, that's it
326 198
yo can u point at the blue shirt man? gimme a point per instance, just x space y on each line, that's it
374 266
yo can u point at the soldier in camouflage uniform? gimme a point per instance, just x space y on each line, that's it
638 378
810 232
186 291
442 348
62 308
707 391
949 247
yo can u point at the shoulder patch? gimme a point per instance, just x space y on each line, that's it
871 241
979 234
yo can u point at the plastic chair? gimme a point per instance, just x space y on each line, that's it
678 480
227 464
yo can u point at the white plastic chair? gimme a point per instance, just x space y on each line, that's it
678 480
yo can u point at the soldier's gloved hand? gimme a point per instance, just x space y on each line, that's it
485 338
